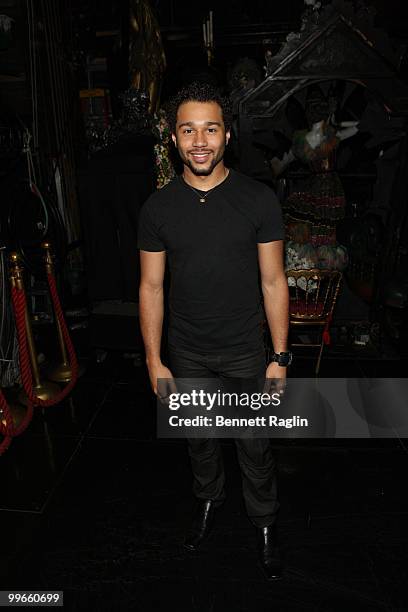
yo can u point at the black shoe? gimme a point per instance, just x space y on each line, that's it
268 552
202 523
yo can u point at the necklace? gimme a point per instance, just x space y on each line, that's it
202 198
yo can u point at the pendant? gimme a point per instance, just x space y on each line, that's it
202 200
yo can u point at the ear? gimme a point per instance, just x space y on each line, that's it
174 139
227 136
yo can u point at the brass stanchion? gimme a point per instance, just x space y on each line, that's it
60 372
42 389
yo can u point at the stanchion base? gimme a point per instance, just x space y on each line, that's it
62 372
44 391
18 413
59 373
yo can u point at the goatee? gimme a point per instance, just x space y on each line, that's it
203 171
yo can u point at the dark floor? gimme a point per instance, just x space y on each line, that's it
92 503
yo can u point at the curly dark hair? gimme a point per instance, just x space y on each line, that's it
198 92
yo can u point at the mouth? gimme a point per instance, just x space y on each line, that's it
201 157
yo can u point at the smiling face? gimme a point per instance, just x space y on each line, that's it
200 136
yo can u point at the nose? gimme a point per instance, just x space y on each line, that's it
200 139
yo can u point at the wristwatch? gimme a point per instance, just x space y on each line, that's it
283 359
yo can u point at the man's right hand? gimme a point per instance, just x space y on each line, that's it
160 371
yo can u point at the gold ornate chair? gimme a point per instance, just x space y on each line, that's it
312 298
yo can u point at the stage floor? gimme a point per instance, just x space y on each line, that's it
95 505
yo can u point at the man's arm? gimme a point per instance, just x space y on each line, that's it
276 299
151 309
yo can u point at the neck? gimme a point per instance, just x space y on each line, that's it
205 183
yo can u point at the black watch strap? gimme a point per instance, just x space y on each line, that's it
283 359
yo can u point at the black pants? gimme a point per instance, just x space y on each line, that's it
257 463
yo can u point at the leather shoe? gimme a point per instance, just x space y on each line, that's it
201 525
269 554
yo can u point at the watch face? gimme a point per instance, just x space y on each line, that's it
284 359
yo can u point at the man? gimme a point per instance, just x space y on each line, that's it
218 229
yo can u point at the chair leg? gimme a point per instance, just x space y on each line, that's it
319 358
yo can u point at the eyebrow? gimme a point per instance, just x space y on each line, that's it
191 123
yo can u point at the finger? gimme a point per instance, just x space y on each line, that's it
164 399
275 385
267 386
281 385
162 391
168 387
172 385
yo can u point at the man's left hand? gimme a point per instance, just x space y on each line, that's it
275 379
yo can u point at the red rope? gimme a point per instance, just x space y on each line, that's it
67 339
8 429
19 304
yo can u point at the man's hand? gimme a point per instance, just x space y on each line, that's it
160 371
275 379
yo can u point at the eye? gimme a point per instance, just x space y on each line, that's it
187 131
212 130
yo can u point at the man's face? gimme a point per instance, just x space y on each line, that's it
200 136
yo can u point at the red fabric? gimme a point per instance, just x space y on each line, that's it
326 333
326 336
310 308
300 309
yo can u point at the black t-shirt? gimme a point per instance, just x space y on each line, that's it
215 301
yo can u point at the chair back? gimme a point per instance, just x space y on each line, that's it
313 294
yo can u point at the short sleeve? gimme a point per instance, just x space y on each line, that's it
148 238
270 225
